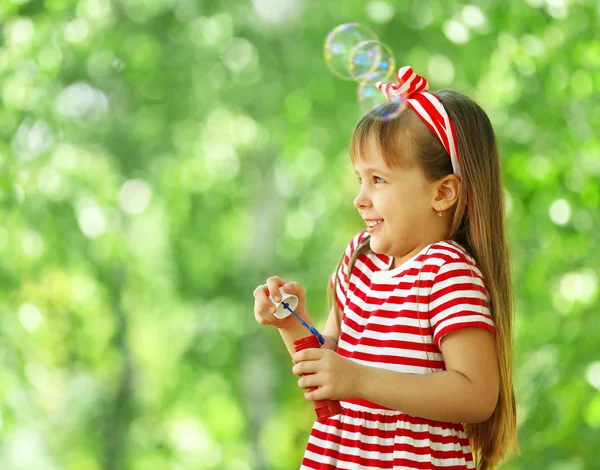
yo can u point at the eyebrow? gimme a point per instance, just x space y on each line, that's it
372 170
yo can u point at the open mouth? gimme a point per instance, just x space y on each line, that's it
373 225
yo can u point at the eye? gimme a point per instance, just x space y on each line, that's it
376 179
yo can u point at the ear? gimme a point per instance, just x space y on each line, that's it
446 191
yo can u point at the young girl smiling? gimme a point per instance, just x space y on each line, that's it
418 343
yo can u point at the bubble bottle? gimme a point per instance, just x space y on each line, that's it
323 408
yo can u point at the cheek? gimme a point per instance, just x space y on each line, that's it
406 205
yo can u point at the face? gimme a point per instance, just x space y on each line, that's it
400 200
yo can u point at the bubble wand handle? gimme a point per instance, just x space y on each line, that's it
312 329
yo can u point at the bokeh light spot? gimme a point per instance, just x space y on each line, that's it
560 211
30 316
135 196
456 32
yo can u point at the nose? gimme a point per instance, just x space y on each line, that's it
362 200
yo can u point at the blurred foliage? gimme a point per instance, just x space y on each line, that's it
161 158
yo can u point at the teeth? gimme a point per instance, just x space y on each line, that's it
372 223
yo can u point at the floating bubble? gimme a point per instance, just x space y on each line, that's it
339 44
364 59
369 97
371 61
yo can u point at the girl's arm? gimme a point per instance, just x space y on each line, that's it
466 392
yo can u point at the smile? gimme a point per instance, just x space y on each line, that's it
373 225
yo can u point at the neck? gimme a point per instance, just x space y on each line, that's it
432 238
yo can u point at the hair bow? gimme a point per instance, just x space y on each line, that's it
412 88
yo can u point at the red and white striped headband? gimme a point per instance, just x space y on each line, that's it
412 88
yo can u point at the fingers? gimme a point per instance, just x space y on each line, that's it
267 295
305 367
263 307
317 395
296 289
273 284
314 388
310 354
309 381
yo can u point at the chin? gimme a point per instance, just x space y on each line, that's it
376 247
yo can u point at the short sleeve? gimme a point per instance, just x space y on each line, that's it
458 299
342 273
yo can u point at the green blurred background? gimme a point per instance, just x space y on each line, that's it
161 158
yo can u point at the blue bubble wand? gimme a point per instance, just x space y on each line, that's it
312 329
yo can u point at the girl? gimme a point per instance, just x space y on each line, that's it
419 339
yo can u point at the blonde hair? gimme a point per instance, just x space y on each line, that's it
478 227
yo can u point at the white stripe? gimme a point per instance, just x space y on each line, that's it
401 439
403 368
460 321
399 336
398 352
425 115
386 456
381 321
406 85
457 295
454 266
400 423
448 130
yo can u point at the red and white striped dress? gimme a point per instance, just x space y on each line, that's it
381 328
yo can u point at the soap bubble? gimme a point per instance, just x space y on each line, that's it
353 52
339 45
369 96
371 61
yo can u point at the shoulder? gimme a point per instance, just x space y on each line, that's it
448 259
446 255
450 251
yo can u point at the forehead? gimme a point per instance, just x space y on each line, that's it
381 145
365 168
369 155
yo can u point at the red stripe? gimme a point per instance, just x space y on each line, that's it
463 302
439 127
405 76
396 463
392 343
450 328
389 448
463 313
411 330
452 270
377 463
397 360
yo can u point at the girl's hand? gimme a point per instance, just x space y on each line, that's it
337 377
264 308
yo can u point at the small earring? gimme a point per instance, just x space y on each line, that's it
439 213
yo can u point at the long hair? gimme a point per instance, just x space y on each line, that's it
477 226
